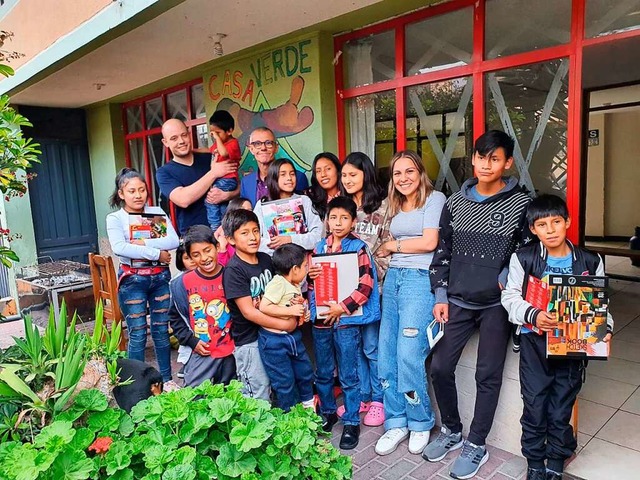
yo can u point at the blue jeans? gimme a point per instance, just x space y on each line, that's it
288 366
407 305
215 212
341 344
134 294
370 386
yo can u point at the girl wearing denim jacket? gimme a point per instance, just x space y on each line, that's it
143 277
407 304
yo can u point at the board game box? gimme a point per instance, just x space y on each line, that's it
581 304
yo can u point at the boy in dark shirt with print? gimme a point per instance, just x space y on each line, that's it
480 227
199 315
246 276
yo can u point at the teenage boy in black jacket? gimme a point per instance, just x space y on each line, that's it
549 386
480 227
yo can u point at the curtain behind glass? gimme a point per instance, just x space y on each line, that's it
362 116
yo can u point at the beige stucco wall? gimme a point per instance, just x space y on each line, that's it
594 218
62 17
622 179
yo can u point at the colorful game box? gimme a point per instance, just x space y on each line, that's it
284 217
581 303
144 226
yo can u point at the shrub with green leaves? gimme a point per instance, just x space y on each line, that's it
207 432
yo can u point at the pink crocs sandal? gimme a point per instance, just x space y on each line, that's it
375 415
364 408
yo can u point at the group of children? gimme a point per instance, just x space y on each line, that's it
242 320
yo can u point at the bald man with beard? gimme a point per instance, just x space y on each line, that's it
187 178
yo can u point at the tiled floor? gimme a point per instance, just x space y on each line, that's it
609 405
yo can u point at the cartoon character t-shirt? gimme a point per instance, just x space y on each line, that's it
242 279
208 312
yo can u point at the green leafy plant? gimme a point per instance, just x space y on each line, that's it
17 155
42 379
207 432
103 342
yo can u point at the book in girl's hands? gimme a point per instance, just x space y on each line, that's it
339 278
145 226
581 305
284 217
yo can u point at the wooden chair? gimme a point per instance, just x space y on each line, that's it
105 288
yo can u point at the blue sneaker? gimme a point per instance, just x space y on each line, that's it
469 461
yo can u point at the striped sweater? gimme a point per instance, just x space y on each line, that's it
477 239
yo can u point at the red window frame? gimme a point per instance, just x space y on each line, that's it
477 68
144 133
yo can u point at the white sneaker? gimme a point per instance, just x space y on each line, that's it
390 440
170 386
418 441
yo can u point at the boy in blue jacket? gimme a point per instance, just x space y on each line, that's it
337 332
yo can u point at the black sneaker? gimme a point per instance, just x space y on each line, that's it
180 373
328 421
551 475
536 474
350 437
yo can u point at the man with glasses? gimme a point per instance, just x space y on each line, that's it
262 144
186 179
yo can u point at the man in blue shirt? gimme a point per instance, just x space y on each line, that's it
187 178
263 146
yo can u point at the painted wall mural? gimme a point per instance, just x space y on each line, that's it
278 89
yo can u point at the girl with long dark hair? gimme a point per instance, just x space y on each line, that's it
360 183
325 181
144 267
281 184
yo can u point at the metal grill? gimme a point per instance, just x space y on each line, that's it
57 277
53 269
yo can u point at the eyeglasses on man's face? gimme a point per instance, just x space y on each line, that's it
269 144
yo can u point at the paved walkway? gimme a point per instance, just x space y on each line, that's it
367 465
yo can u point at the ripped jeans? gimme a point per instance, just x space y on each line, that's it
407 305
134 293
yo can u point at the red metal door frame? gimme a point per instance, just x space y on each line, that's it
477 69
144 132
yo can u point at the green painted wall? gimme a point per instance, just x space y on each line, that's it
327 94
20 221
106 153
278 87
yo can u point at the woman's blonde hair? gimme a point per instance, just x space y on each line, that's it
396 199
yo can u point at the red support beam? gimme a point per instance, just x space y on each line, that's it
401 104
478 77
574 122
